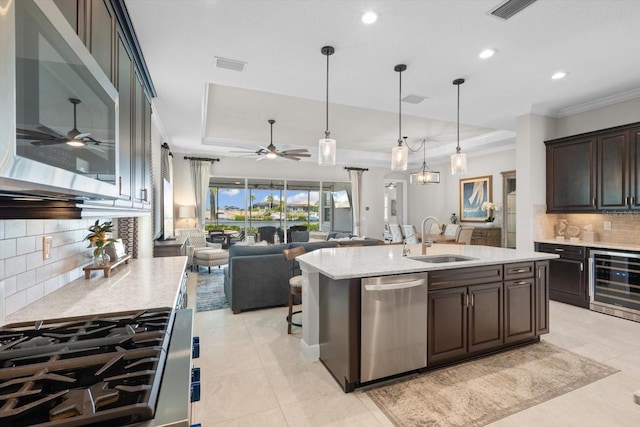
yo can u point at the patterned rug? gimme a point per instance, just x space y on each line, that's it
482 391
210 290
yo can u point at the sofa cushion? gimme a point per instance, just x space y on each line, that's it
242 250
318 236
312 246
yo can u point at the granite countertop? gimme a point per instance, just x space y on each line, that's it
143 283
367 261
599 245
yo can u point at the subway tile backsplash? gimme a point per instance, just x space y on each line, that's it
24 276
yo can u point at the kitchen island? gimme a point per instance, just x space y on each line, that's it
480 299
143 283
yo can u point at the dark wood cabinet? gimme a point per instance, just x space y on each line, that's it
596 171
567 274
519 310
542 297
487 236
571 175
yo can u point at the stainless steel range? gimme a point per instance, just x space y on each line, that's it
102 370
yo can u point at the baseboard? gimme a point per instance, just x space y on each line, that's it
310 352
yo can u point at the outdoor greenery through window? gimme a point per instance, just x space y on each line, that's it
247 204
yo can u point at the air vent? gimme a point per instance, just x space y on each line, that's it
509 8
413 99
230 64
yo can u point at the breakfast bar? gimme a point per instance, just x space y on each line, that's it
449 304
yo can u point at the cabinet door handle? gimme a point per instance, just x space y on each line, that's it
520 270
633 200
626 200
593 202
120 185
466 300
581 266
521 282
559 250
473 300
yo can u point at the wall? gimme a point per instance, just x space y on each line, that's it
24 276
372 222
441 200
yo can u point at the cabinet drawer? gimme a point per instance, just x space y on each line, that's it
518 270
442 279
479 232
565 251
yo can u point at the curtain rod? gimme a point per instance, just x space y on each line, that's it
203 159
356 169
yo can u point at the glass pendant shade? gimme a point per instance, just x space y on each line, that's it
424 176
458 163
399 158
327 151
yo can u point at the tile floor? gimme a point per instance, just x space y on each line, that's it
253 375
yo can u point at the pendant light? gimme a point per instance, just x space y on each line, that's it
399 153
458 160
326 145
423 175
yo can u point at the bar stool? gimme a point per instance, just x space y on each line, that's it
295 283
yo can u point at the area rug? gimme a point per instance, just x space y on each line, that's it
210 290
482 391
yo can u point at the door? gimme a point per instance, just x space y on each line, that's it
567 282
447 324
634 168
485 316
519 310
612 182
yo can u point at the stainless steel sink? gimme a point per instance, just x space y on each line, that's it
442 258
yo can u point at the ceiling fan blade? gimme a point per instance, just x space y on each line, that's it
261 158
83 135
293 150
288 153
33 134
50 131
45 142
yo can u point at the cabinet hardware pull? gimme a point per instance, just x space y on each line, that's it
521 282
559 250
473 300
633 200
120 185
593 202
581 267
466 300
626 200
520 270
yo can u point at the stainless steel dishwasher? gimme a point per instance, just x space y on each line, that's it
393 325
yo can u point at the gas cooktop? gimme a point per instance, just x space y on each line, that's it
101 370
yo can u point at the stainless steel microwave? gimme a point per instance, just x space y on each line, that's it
58 109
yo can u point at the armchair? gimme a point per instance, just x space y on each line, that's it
201 252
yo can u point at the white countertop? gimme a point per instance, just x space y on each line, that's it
599 245
367 261
143 283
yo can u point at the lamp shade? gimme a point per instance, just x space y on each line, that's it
187 212
399 158
327 151
458 163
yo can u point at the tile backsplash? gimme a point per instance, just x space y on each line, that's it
24 275
625 227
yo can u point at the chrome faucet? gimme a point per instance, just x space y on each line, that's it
425 244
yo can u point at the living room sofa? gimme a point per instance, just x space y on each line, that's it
258 276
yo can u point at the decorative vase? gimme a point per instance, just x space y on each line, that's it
100 257
453 219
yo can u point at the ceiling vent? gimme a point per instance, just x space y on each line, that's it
413 99
509 8
230 64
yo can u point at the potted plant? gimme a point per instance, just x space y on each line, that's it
100 237
490 208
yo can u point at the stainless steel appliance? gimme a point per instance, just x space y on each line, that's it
114 369
393 325
59 110
614 281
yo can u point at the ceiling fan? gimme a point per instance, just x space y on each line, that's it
271 152
45 136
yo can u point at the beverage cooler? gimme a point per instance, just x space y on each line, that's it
615 283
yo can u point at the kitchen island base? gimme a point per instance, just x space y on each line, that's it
472 312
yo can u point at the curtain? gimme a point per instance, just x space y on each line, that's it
356 182
200 181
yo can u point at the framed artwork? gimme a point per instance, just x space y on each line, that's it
473 193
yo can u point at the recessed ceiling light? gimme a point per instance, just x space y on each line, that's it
559 75
369 17
487 53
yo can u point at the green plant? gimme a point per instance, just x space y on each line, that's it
98 236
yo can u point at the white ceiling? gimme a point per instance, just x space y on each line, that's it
207 110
